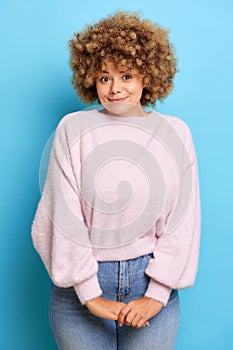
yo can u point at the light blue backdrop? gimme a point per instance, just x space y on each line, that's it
36 92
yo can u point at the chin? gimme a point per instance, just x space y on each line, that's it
122 109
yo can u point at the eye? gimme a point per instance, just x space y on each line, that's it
104 79
127 77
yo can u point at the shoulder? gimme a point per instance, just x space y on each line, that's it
180 126
76 123
77 117
181 129
71 127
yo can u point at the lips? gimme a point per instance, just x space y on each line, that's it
117 100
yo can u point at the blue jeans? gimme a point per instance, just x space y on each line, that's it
76 328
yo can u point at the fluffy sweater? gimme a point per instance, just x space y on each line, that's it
118 188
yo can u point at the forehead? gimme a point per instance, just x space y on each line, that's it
112 67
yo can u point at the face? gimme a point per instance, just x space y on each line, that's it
120 90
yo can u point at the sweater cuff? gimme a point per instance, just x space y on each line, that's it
88 289
158 291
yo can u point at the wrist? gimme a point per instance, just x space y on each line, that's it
154 301
92 301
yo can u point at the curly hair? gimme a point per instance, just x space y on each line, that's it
126 40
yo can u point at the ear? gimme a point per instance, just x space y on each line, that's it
143 83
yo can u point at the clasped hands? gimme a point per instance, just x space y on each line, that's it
135 314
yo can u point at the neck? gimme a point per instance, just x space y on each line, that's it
125 110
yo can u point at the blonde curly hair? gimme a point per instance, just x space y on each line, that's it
126 40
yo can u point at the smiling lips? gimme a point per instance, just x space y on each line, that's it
117 100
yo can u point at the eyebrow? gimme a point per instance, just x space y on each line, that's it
122 71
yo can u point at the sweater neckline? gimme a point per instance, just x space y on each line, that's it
111 116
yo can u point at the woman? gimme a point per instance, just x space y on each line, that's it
118 223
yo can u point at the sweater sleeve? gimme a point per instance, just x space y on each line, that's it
176 254
59 232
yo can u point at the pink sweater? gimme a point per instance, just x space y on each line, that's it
118 188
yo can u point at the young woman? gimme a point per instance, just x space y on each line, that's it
118 223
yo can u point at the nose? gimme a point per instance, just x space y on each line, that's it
115 87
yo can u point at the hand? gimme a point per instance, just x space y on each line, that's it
137 312
104 308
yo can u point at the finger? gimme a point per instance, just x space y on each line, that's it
122 314
130 318
142 323
136 320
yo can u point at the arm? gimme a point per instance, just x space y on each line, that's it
176 253
59 232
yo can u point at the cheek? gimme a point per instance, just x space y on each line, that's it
101 91
135 89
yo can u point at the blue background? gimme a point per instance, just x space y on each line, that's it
36 93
